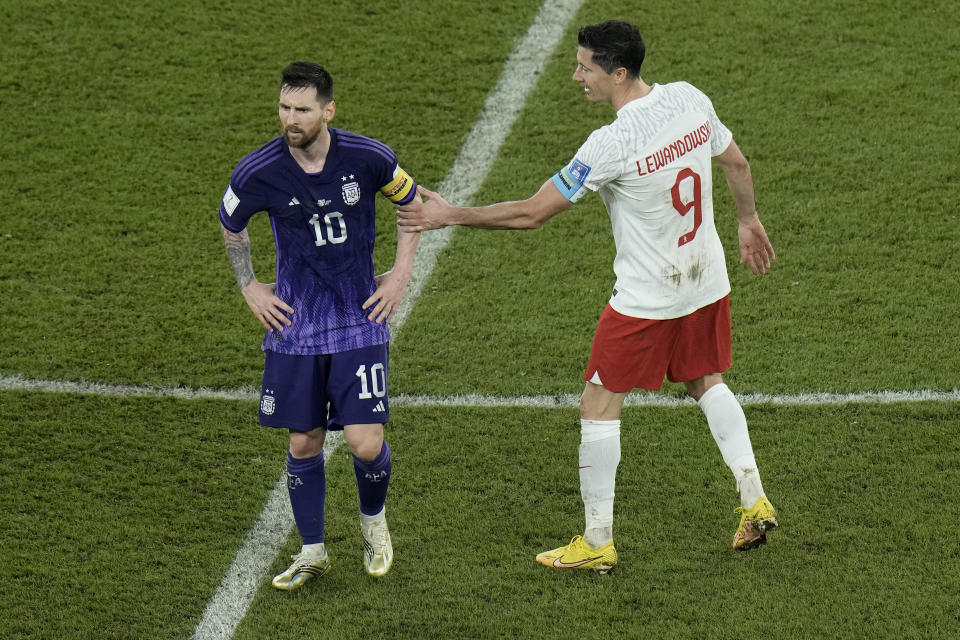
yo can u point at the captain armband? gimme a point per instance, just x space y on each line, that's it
401 189
570 180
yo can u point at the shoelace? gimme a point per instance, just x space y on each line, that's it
377 536
306 558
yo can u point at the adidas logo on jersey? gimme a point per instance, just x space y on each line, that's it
379 408
293 202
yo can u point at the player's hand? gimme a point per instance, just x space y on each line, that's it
429 211
383 304
755 248
270 310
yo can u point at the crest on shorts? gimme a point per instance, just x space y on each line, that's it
268 405
351 192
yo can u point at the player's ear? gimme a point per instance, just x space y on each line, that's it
329 110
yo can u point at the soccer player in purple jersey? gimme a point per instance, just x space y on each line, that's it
326 341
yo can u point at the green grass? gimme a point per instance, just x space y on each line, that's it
129 121
857 183
133 510
121 516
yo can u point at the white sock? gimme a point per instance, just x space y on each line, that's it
750 488
375 518
728 425
313 549
599 457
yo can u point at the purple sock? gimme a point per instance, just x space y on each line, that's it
373 478
307 485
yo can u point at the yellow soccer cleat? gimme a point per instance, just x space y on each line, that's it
755 523
306 566
579 555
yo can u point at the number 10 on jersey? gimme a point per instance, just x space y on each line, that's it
333 228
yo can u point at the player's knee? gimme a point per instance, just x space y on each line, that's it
599 403
368 450
366 443
696 388
306 444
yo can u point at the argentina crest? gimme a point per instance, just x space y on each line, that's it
267 404
351 191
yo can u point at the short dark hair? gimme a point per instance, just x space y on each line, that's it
614 44
300 75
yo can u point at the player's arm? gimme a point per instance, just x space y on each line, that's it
434 212
755 248
392 285
261 298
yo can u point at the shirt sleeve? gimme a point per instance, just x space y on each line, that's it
720 135
239 204
597 162
400 188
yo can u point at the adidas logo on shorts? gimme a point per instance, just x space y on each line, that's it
379 408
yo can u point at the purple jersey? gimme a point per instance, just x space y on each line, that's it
324 229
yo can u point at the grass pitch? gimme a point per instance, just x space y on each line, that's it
121 515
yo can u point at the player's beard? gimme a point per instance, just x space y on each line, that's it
305 140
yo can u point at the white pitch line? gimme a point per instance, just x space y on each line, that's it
559 400
523 67
20 383
520 74
652 399
246 573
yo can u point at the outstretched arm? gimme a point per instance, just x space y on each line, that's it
262 298
755 248
434 212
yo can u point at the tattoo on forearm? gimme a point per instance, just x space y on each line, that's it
238 250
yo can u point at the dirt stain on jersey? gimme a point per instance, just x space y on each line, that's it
694 273
673 276
696 270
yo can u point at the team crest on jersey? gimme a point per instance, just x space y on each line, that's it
351 192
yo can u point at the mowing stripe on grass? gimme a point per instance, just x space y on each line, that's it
523 67
560 400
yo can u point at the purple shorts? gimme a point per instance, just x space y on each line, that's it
298 390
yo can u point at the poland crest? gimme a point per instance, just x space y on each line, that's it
351 193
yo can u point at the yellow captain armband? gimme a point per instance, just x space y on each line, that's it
400 189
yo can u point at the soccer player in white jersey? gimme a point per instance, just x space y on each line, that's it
669 313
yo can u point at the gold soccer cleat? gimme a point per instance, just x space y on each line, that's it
377 547
306 566
579 555
755 523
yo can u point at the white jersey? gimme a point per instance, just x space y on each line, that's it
652 167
